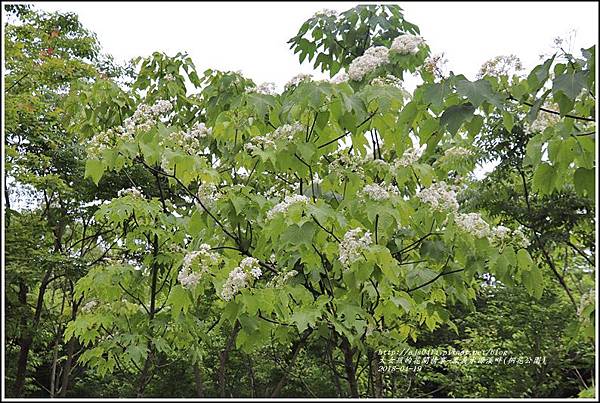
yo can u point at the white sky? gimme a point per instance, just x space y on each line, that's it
252 37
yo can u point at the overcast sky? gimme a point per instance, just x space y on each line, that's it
252 37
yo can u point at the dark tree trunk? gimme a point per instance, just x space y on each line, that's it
296 347
350 369
377 374
71 346
144 377
223 357
27 338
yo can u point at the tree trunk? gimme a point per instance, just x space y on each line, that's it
27 339
224 355
144 377
64 384
24 345
71 346
377 374
336 377
296 347
198 379
54 363
349 365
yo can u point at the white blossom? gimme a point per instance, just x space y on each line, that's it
458 152
89 306
256 273
284 133
326 12
170 77
296 80
353 245
410 156
372 58
340 78
543 121
499 235
520 239
237 280
143 119
202 258
473 224
377 192
266 88
286 204
208 194
439 196
389 80
132 191
407 44
280 279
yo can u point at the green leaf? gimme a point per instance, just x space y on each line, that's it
544 179
533 281
524 259
179 300
570 84
585 183
478 92
435 94
94 169
454 116
508 120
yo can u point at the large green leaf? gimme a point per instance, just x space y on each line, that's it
454 116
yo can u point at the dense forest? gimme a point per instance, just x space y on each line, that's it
176 233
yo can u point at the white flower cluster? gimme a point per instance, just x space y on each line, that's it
145 116
132 191
296 80
501 235
199 130
208 193
89 306
373 57
282 278
473 224
440 196
202 257
240 276
344 161
377 192
286 204
435 65
353 245
269 140
458 152
280 190
237 280
143 119
170 77
250 264
410 156
326 13
543 121
407 44
519 239
388 80
340 78
267 88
